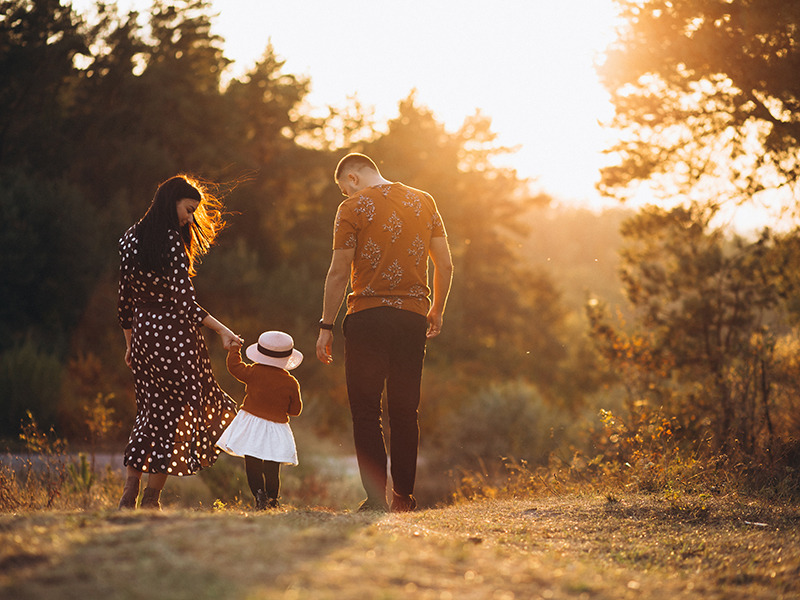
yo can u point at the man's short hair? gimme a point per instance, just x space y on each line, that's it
354 162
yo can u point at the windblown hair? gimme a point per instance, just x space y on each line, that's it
354 162
153 228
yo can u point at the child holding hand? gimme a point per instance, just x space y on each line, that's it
260 432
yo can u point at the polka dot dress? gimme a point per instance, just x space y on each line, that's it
180 409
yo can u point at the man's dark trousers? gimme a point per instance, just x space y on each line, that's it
385 346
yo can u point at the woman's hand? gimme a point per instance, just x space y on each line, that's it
128 337
229 339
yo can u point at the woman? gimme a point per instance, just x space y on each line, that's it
180 409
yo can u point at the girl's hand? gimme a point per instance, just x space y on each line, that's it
128 360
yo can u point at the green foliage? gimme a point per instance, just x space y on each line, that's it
508 420
701 348
44 476
30 382
707 113
81 474
38 43
49 259
705 91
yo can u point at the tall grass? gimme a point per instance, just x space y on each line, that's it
650 460
46 475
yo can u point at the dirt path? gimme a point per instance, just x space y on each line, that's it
572 547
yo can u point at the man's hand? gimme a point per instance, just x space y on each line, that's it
442 278
325 346
434 324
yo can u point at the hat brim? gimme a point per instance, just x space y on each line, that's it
288 363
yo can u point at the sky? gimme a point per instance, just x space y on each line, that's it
528 65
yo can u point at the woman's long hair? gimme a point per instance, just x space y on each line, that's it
153 228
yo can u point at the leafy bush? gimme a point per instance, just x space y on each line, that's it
30 380
505 420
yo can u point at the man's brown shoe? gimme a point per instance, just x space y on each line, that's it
402 503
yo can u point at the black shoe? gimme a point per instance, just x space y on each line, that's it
261 500
273 503
370 505
403 503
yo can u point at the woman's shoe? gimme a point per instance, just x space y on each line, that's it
150 499
129 494
261 500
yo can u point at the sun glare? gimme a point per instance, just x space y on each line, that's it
527 65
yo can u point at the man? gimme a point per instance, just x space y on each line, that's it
384 233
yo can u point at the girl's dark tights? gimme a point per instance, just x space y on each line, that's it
263 475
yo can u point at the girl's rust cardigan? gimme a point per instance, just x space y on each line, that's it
271 393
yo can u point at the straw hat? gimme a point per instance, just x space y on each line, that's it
276 349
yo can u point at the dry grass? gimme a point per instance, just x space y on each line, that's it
569 546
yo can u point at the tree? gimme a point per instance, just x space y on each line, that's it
264 122
38 43
700 347
707 97
149 104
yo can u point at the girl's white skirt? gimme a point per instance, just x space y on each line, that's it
254 436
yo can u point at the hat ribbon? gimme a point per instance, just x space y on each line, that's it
274 353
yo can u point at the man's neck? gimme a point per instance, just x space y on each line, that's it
374 180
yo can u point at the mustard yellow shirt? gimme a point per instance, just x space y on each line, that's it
390 227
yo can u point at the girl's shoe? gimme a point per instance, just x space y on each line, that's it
273 503
261 500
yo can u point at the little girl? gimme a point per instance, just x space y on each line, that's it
260 431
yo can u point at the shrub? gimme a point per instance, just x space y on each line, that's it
507 420
30 381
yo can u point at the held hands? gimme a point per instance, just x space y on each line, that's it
230 340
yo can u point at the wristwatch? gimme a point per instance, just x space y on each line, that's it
326 326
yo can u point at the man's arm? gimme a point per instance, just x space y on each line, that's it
442 278
335 290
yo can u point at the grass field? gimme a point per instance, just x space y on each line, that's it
572 546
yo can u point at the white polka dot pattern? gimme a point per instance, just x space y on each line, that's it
180 409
